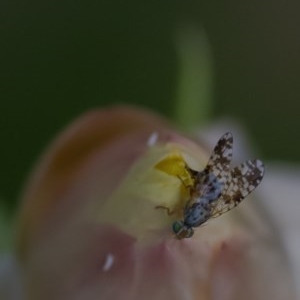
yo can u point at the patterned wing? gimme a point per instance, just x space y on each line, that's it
210 182
220 158
241 181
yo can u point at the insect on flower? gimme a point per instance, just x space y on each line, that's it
217 189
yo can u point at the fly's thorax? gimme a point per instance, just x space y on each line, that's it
207 190
197 213
207 187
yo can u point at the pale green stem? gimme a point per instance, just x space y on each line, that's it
193 105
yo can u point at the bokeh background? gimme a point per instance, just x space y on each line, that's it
224 58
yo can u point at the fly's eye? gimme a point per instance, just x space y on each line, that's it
181 230
177 226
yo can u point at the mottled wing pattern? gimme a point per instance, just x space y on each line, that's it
219 161
220 158
241 181
210 182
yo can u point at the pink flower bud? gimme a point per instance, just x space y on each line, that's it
89 227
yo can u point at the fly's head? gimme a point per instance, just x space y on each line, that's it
181 230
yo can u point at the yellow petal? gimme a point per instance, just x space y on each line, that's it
152 181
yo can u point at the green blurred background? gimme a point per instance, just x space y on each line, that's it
61 58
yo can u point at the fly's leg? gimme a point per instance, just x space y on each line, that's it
177 210
169 211
188 187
